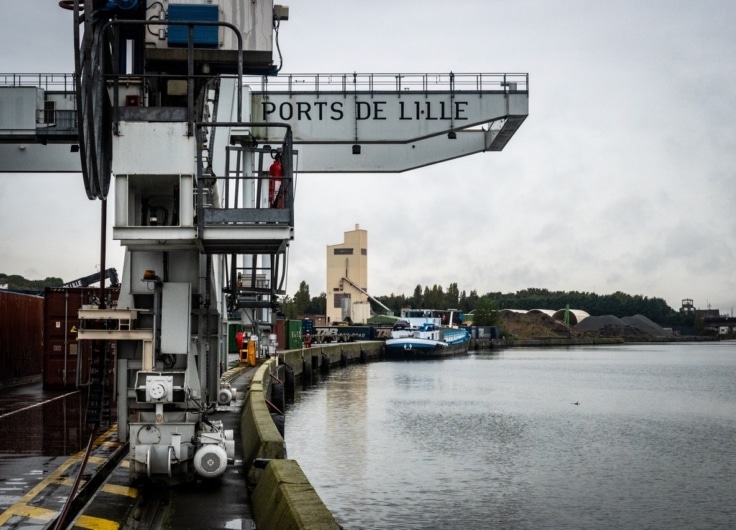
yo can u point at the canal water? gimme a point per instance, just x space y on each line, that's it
611 437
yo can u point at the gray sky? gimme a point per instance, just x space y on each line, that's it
621 179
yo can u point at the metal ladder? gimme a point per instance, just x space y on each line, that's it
98 389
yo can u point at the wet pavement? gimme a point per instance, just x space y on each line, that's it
53 428
42 450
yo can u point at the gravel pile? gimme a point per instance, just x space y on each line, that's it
599 322
647 326
609 325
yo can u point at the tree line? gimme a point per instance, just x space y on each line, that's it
618 304
19 283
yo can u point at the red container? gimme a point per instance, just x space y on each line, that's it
66 361
280 334
21 337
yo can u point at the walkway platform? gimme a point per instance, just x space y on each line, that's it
34 486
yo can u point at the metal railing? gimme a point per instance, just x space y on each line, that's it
329 82
356 82
48 82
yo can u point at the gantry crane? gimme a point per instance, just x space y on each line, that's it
179 107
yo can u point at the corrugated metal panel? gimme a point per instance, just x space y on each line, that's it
281 334
232 336
21 336
66 361
293 334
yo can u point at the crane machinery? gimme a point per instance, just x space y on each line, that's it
109 274
179 107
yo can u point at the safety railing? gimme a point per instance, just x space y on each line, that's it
356 82
48 82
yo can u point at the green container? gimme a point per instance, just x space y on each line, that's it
232 332
293 334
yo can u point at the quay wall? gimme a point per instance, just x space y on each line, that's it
493 344
324 356
281 495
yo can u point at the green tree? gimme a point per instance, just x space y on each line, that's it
288 308
486 313
452 297
417 300
302 299
16 281
317 305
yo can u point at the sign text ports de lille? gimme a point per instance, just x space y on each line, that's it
365 110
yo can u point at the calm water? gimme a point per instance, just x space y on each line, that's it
494 440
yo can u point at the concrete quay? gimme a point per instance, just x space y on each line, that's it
281 495
263 489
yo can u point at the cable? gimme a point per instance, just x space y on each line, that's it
276 24
148 26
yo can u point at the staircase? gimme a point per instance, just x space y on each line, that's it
98 390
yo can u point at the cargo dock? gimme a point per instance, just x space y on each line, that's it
41 465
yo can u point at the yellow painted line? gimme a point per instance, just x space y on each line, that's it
22 509
58 476
120 490
125 463
95 523
68 481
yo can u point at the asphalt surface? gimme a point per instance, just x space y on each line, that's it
41 461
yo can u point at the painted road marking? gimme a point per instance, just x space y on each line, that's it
95 523
120 490
23 507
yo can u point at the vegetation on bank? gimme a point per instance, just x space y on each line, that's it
485 307
19 283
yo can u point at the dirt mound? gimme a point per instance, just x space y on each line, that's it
533 326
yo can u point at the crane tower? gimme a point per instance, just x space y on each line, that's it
179 107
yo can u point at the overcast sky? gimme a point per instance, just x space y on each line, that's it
621 178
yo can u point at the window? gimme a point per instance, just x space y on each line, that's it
338 299
343 251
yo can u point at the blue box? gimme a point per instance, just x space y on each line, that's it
204 36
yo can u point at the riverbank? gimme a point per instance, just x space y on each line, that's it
539 329
590 340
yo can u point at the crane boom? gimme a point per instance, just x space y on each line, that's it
110 274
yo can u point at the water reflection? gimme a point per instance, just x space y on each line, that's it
54 428
493 439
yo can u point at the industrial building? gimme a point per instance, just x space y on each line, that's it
347 278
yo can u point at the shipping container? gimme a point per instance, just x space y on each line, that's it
67 362
293 334
485 332
21 337
381 332
232 337
280 334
